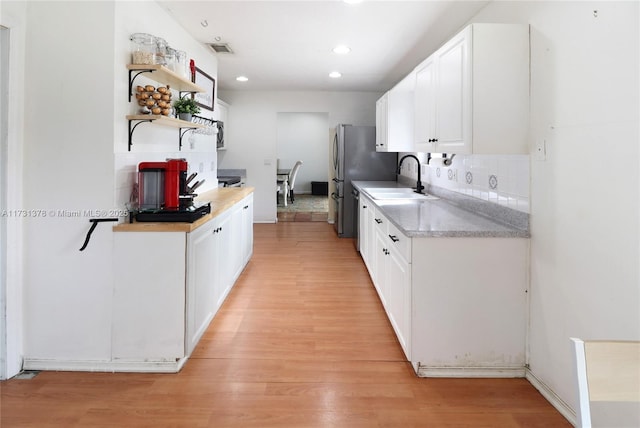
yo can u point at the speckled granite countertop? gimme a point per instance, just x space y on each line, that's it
445 218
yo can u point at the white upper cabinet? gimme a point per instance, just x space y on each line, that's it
394 117
472 94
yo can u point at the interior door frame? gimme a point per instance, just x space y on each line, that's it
12 139
4 143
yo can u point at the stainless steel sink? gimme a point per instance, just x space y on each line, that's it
402 193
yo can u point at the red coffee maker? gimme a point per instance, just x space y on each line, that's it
160 184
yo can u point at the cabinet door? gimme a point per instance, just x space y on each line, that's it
365 217
247 229
398 290
453 95
381 123
424 122
234 242
379 263
201 271
226 255
400 102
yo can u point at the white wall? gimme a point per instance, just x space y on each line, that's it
68 166
584 197
305 137
75 158
156 143
252 131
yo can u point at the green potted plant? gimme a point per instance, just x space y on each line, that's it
185 107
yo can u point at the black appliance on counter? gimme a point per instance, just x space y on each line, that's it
165 193
229 181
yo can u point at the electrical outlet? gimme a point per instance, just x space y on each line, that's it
201 167
540 153
213 166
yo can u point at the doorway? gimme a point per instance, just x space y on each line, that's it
304 137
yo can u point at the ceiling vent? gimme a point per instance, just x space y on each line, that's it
221 47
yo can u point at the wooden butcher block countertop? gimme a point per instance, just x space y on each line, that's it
221 200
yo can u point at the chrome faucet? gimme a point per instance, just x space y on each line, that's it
419 186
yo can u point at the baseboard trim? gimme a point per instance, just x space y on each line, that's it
553 398
469 372
105 366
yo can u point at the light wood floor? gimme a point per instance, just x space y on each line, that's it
302 341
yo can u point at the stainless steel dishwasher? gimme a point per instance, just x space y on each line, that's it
356 225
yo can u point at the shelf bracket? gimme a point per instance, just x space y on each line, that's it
182 134
131 129
182 94
132 79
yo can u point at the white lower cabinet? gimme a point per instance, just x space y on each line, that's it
398 286
393 277
457 305
218 252
207 275
171 284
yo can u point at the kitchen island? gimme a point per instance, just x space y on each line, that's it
171 279
453 282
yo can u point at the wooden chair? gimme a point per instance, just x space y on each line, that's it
608 383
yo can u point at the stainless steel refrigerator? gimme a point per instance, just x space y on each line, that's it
355 159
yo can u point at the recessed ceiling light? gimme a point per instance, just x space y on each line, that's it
242 78
352 1
204 23
342 49
335 74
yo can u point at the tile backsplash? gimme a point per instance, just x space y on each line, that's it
500 179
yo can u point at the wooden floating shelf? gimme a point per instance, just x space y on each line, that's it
165 121
162 74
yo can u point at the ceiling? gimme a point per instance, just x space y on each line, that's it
287 45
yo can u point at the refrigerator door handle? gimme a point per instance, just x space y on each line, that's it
335 151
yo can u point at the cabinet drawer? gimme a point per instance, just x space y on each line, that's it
380 222
397 240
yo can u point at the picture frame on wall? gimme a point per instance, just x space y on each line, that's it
207 98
